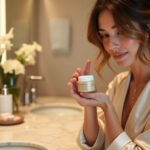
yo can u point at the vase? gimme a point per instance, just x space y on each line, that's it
13 89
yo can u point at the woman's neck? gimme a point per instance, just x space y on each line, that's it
140 72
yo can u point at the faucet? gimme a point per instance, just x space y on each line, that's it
31 91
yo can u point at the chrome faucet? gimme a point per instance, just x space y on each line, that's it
31 91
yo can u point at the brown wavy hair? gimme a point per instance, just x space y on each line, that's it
125 12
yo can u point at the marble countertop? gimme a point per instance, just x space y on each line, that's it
54 133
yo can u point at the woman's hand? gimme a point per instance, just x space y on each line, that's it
74 79
87 99
94 99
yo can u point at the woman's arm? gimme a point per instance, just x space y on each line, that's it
112 124
90 125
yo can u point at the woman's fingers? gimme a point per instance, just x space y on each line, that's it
81 99
75 75
79 71
74 83
87 69
71 86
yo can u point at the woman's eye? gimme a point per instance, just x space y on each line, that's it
104 36
118 33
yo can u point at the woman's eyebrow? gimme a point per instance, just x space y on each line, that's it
100 29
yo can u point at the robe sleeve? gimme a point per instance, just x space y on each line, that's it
124 142
140 142
99 143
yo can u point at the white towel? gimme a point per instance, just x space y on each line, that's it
59 31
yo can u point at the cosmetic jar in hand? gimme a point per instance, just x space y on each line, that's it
86 83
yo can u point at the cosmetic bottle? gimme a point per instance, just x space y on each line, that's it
86 83
5 101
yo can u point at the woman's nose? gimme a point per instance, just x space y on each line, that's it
114 42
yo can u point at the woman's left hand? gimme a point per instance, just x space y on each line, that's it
94 99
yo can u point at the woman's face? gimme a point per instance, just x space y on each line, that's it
123 49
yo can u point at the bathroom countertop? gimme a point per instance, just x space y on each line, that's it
54 133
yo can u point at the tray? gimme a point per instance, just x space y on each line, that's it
15 119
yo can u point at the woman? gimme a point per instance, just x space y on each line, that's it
120 29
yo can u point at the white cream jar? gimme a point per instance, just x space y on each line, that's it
86 83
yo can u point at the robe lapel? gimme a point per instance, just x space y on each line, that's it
121 95
137 117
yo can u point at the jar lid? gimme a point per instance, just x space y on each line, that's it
86 78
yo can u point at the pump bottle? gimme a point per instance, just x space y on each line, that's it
5 101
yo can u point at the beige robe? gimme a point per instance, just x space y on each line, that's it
136 135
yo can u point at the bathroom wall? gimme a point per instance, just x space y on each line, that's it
58 68
20 15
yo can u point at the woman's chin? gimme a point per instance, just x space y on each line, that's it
123 64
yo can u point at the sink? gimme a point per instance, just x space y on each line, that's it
20 146
57 110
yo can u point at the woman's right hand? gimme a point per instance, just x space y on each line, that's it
88 100
74 79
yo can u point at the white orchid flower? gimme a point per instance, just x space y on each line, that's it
13 66
27 53
5 41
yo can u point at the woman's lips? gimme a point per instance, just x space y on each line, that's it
120 55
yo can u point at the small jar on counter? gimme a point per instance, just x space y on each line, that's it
86 83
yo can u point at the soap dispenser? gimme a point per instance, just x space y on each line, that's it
5 101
